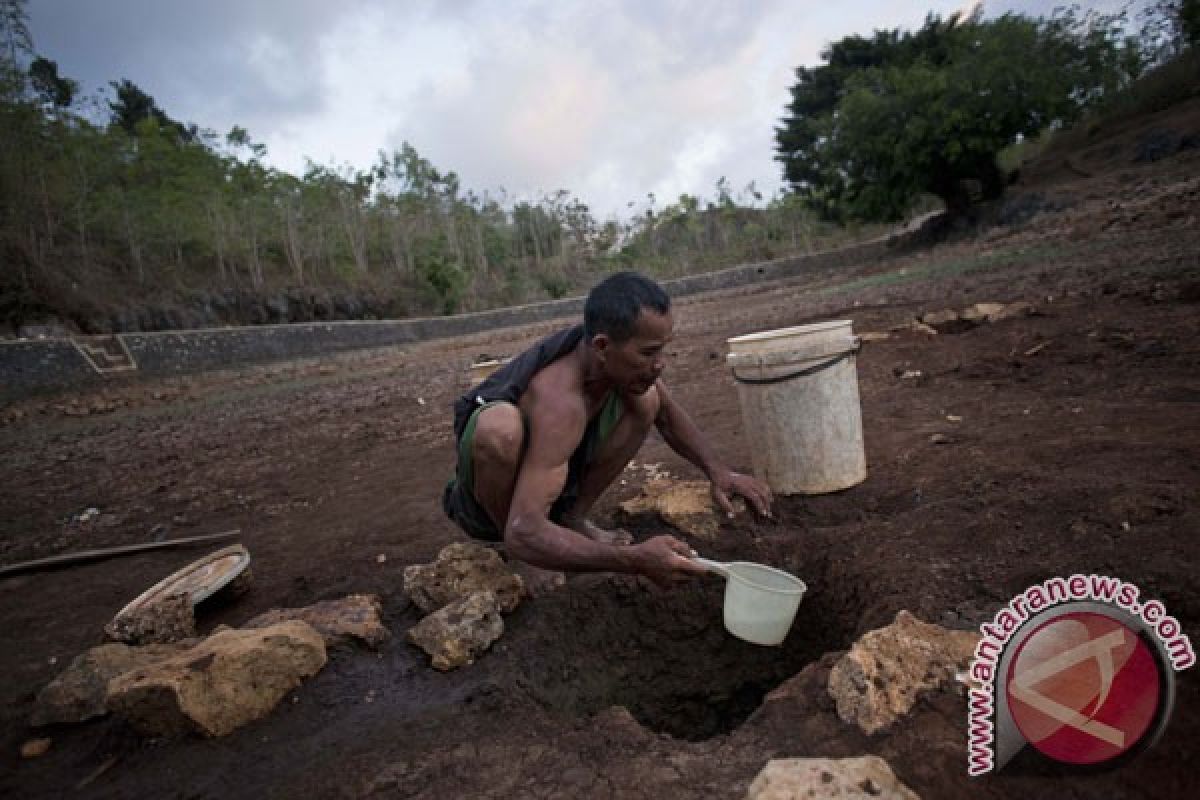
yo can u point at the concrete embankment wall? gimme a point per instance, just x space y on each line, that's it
42 364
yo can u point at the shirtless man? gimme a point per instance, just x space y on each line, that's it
542 438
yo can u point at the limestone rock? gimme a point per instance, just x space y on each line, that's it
355 616
167 619
886 670
684 505
937 318
1019 309
982 312
948 321
231 678
79 692
460 570
864 776
456 634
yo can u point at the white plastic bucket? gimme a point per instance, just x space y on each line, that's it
760 601
798 391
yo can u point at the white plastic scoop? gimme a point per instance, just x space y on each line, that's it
760 601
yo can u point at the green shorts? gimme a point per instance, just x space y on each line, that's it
458 498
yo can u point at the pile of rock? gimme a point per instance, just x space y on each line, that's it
876 684
463 593
956 321
213 685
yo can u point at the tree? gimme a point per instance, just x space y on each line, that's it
53 89
1169 26
889 118
1189 21
132 106
14 32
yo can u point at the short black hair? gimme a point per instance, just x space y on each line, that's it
613 305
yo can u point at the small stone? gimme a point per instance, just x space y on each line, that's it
35 748
1019 309
981 312
940 438
861 777
949 321
460 570
456 634
381 558
910 374
953 418
168 619
936 318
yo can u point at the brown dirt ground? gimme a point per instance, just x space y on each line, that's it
1075 450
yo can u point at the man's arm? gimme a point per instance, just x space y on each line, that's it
556 425
682 435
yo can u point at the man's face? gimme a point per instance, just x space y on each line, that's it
635 364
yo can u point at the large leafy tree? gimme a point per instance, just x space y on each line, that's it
888 118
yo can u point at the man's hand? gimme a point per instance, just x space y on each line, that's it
665 560
735 483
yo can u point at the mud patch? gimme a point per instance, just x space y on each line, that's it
664 654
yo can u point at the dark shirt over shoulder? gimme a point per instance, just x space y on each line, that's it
510 381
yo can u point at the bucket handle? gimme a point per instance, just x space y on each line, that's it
712 566
824 365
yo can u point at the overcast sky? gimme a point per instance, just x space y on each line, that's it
610 99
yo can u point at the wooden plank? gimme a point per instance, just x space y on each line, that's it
85 556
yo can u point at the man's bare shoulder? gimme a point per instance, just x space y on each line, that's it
555 400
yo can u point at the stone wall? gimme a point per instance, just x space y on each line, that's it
32 364
44 364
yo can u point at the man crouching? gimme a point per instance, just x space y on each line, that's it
542 438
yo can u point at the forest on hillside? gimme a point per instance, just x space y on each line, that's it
116 216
